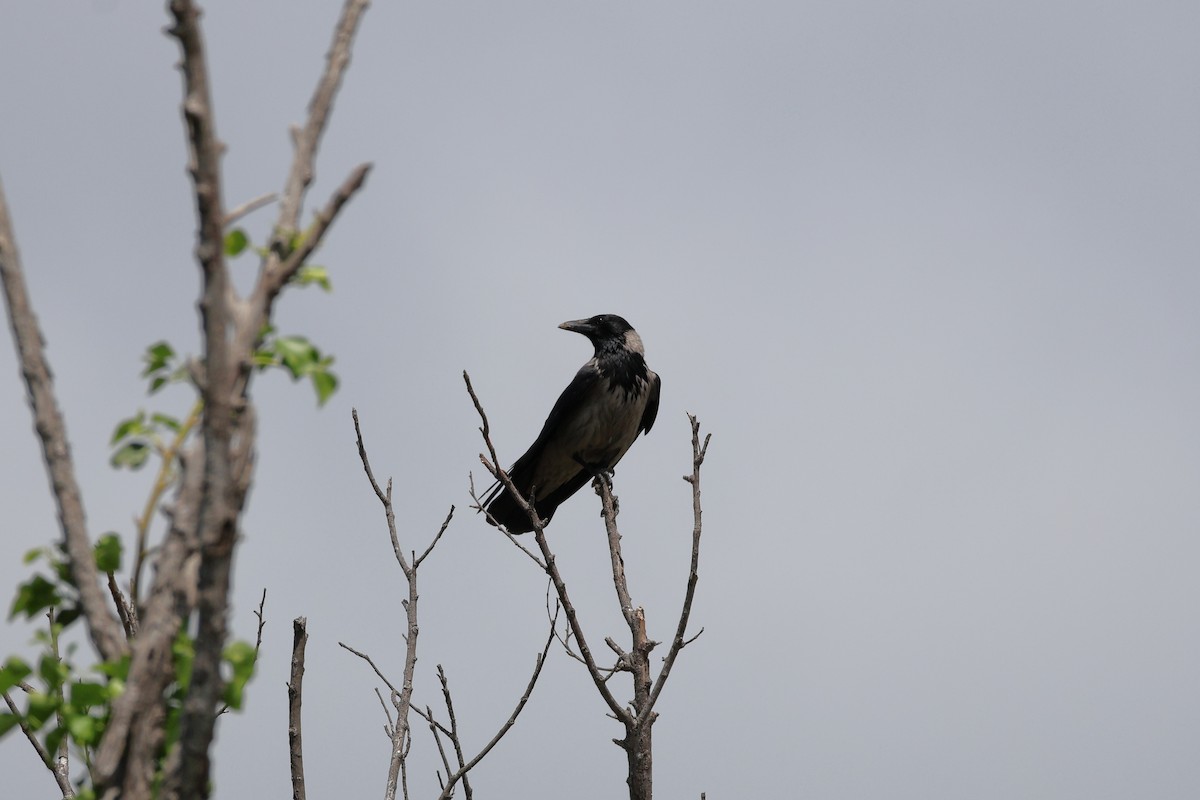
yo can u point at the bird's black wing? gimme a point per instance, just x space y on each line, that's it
498 501
651 412
568 402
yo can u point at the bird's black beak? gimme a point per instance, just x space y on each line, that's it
583 326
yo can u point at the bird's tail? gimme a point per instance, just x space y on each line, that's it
505 510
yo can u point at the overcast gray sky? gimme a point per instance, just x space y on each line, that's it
927 271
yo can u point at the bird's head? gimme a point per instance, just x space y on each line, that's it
606 330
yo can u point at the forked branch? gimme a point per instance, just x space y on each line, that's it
639 717
399 730
539 534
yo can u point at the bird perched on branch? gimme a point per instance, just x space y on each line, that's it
612 399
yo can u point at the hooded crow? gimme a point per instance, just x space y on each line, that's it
612 399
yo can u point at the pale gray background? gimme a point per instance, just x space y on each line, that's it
927 271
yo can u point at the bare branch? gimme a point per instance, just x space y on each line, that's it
436 539
125 609
404 765
307 139
386 713
249 207
403 698
367 658
313 236
261 623
493 467
385 498
609 513
416 709
362 454
437 739
478 506
295 687
585 652
512 719
678 642
560 587
454 737
257 637
104 628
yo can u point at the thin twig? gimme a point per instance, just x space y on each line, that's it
441 750
316 232
249 207
478 506
125 609
679 642
261 623
448 790
436 539
386 713
59 770
404 765
257 638
454 738
62 763
367 658
162 482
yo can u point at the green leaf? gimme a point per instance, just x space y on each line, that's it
34 595
157 357
235 242
108 553
309 274
33 555
86 695
13 672
53 671
41 707
116 670
241 657
131 454
325 384
166 421
264 358
53 738
84 729
66 615
128 427
296 353
62 568
157 383
8 722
